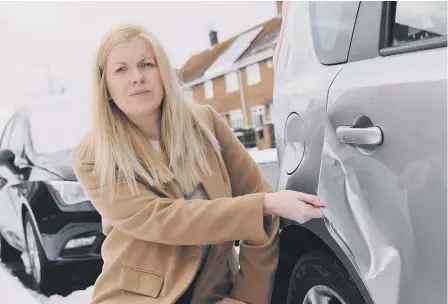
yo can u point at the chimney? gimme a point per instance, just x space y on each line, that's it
213 37
279 7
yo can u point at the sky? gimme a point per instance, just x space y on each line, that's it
50 46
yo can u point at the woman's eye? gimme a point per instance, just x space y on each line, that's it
148 64
120 70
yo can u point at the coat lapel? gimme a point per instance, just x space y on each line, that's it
173 189
213 184
163 190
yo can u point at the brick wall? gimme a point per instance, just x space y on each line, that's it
260 93
255 95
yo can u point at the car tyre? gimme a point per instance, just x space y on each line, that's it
44 276
8 253
319 277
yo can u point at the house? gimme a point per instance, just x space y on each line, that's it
236 78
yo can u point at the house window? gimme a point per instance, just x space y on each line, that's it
231 82
271 111
253 74
258 116
236 118
269 63
208 89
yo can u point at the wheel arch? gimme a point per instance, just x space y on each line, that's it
296 240
24 211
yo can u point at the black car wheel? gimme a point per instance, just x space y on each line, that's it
8 253
44 277
319 277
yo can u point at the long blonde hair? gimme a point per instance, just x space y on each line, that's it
122 153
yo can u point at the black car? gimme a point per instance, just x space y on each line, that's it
44 212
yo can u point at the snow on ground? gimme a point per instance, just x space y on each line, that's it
12 290
77 297
263 156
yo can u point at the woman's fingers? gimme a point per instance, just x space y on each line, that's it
310 199
309 212
316 213
229 301
293 205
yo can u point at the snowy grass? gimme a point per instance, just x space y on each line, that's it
263 156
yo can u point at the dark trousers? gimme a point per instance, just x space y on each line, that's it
187 296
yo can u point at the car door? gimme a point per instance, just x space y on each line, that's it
314 44
10 204
383 167
312 49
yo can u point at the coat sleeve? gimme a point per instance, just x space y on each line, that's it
258 258
151 218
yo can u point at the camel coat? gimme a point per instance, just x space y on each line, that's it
154 240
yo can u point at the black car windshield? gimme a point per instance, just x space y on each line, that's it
58 127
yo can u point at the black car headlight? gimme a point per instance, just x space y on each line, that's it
68 192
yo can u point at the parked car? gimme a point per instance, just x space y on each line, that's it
44 211
360 102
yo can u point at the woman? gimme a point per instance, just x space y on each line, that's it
174 188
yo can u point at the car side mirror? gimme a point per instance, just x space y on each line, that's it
7 159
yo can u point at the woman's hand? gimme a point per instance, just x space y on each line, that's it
296 206
229 301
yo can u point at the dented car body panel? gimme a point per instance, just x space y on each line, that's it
369 137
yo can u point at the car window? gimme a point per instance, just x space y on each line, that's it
419 21
332 25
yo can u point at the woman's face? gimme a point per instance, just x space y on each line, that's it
133 79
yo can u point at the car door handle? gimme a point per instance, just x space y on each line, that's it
371 136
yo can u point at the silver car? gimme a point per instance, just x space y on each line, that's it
360 103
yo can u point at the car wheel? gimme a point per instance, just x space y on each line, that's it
8 253
319 277
43 274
